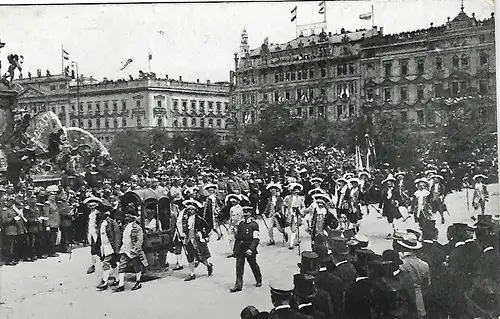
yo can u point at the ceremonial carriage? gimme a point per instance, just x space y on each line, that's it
155 220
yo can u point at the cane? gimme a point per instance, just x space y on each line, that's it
298 227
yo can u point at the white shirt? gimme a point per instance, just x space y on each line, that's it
106 247
93 225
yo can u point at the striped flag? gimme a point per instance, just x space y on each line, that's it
65 54
322 9
294 14
365 16
126 63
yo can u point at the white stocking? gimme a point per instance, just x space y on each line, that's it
121 280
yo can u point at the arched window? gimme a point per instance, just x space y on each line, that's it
439 63
210 122
483 58
193 122
218 123
115 123
202 122
455 61
465 61
184 121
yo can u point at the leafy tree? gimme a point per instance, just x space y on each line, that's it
128 149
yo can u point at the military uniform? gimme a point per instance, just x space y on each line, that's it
33 227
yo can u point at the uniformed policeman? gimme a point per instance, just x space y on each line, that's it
245 247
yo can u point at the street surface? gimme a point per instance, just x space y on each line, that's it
60 288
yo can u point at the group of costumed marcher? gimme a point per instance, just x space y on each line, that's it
339 277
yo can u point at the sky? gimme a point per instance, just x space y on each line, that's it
192 40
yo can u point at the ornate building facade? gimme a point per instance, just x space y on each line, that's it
411 74
414 75
107 108
313 76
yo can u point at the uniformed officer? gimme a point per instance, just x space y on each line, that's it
245 247
281 297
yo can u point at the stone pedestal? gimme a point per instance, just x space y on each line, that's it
7 101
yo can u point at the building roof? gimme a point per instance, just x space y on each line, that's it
311 40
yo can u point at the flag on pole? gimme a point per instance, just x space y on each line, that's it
126 63
294 14
365 16
322 7
150 56
65 54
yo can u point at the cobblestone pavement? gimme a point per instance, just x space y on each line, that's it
60 288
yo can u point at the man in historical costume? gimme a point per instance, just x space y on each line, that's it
437 196
323 218
245 247
481 195
282 299
235 217
66 213
110 239
132 257
212 208
294 207
175 191
315 185
274 213
52 211
197 232
93 230
420 204
416 269
304 292
401 188
355 215
342 196
390 201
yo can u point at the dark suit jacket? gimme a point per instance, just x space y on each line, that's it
312 312
358 300
287 313
347 272
334 287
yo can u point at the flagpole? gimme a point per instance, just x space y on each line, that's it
373 19
62 59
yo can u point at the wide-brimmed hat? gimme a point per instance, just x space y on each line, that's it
92 200
293 186
316 180
410 241
304 285
430 171
309 263
315 191
234 197
479 176
354 180
322 197
341 180
400 173
208 186
193 203
348 176
437 176
421 180
247 210
363 173
273 185
389 178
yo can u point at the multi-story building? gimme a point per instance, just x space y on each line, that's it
109 107
313 76
409 74
343 75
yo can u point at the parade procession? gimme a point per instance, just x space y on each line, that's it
355 172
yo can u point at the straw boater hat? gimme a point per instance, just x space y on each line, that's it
233 196
193 203
437 176
273 185
410 241
206 187
389 178
421 180
293 186
316 180
479 176
322 197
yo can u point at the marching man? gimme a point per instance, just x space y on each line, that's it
93 230
294 208
247 240
437 196
110 238
390 201
274 213
420 207
235 217
323 218
480 193
211 209
132 257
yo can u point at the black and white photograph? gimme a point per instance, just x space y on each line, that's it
249 159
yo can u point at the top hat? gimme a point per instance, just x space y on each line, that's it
380 269
309 263
393 256
484 220
365 255
304 285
